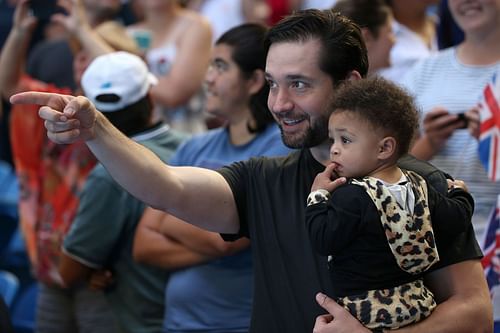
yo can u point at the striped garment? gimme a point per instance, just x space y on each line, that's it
441 80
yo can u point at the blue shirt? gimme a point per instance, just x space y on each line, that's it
216 296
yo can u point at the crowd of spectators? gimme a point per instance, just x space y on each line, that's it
195 89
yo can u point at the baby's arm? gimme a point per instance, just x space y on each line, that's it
451 213
333 223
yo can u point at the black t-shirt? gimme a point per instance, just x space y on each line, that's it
270 195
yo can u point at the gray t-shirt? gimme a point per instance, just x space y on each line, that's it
102 237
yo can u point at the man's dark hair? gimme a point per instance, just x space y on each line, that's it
384 105
133 118
343 48
247 43
369 14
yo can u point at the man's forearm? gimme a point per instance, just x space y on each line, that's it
196 195
464 304
153 248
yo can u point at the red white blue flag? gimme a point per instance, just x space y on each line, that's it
491 249
489 133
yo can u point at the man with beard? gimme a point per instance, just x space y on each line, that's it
309 54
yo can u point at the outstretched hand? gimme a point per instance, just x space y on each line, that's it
75 19
22 20
328 179
337 320
67 118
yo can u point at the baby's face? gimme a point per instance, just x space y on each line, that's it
355 144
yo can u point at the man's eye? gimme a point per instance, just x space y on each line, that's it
299 85
271 84
219 66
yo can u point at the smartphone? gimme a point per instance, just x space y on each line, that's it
463 119
44 9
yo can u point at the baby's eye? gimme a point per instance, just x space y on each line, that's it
345 140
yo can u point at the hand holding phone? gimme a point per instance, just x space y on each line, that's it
445 120
463 119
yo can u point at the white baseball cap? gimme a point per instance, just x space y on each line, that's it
116 80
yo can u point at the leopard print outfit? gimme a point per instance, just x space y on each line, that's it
411 240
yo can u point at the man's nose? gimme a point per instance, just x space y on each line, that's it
280 102
210 74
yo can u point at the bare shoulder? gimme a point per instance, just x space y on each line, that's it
195 22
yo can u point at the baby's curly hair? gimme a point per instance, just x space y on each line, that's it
384 105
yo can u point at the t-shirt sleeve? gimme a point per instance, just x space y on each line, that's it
236 176
94 233
334 224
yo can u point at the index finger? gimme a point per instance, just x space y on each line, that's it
31 97
56 101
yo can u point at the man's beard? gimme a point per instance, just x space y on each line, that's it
315 135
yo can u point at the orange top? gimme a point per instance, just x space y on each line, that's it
50 178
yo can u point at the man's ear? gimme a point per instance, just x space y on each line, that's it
387 148
353 75
256 81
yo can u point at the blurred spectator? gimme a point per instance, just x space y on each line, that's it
375 19
51 60
269 11
217 274
101 236
318 4
176 42
51 175
450 83
415 31
222 14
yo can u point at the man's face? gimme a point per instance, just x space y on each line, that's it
299 92
226 89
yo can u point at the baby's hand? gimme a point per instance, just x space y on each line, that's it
456 184
328 179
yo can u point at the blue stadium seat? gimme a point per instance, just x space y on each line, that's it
23 310
8 227
9 285
9 191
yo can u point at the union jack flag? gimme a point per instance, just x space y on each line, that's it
489 132
491 249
